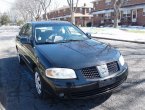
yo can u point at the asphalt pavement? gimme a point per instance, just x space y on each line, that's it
17 91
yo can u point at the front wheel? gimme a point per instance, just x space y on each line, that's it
39 85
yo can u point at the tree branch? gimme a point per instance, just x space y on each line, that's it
76 5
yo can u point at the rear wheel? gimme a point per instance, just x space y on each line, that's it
20 60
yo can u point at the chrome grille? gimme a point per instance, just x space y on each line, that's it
92 72
113 67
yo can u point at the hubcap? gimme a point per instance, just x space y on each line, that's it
38 83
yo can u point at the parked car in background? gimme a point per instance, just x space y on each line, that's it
68 63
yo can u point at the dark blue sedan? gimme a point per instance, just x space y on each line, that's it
67 62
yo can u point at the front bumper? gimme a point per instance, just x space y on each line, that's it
88 90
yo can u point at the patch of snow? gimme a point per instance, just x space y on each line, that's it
113 33
140 28
9 29
106 30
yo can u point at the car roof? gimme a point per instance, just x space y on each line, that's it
34 23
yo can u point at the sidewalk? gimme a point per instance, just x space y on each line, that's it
118 35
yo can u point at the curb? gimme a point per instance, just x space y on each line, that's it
139 42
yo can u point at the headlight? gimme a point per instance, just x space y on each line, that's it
121 60
60 73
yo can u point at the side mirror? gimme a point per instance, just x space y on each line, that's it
89 35
20 27
25 40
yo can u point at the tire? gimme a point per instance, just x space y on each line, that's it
20 60
39 85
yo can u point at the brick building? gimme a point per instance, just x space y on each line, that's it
132 12
82 16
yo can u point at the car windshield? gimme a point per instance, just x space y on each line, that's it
58 34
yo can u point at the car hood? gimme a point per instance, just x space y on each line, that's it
78 54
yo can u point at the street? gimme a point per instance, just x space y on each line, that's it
17 90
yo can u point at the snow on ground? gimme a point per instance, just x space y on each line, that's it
111 30
118 34
9 29
140 28
107 30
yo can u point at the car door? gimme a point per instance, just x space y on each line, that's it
29 47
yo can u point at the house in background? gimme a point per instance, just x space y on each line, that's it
83 15
132 13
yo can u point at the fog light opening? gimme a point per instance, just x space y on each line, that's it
61 95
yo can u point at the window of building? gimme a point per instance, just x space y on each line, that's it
90 10
96 15
97 2
108 2
107 15
102 15
127 1
126 13
144 12
134 14
81 10
112 14
120 15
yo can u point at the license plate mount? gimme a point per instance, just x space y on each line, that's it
107 82
103 70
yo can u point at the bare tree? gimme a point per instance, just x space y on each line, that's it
29 9
34 8
45 5
117 6
13 16
55 5
19 8
73 7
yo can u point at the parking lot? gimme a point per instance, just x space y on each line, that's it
17 91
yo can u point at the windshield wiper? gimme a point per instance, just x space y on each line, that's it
47 43
65 41
71 40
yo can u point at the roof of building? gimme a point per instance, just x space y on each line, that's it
80 5
49 22
123 8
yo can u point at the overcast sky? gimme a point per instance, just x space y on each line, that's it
5 5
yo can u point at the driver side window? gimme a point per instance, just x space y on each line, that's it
22 32
28 31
